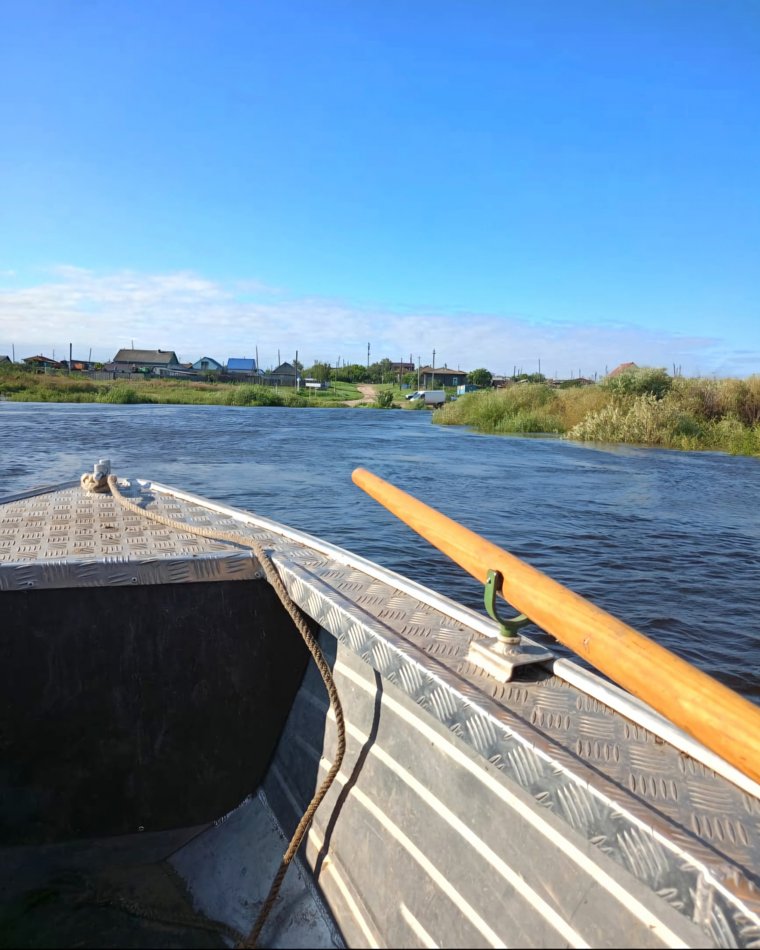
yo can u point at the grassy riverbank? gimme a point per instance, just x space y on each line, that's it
21 386
643 407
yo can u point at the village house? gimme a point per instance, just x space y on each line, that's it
5 360
134 361
244 367
623 368
284 375
78 366
439 376
403 367
207 364
42 362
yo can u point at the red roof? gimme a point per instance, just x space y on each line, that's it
623 368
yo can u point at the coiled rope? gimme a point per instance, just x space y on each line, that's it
90 482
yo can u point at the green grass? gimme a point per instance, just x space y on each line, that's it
18 385
646 408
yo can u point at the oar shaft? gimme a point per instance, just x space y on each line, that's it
718 717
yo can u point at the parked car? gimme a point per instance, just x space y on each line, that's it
431 397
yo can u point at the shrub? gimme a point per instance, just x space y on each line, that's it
574 404
530 420
700 397
249 395
740 398
121 395
384 399
644 420
641 381
527 407
294 400
730 435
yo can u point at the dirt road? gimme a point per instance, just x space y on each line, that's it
369 394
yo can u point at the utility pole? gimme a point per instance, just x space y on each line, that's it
419 367
539 367
69 359
295 367
368 357
432 380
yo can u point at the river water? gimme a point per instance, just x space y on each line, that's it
667 541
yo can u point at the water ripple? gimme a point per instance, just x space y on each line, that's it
667 541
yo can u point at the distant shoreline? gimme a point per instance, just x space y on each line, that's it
645 407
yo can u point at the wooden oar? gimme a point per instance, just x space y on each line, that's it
718 717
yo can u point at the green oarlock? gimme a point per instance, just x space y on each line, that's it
507 628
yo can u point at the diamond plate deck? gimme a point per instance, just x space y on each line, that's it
690 835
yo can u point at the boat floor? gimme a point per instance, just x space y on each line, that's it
118 892
136 906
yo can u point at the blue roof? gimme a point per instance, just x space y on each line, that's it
248 366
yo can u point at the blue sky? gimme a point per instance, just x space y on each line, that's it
504 182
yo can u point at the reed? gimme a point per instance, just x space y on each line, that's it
647 408
123 396
524 408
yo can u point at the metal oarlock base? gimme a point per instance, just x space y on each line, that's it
500 659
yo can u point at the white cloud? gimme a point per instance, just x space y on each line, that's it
196 316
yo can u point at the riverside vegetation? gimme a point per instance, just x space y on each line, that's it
643 406
23 386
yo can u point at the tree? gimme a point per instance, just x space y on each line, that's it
319 371
480 377
381 372
353 373
530 378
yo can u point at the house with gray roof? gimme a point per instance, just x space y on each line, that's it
283 375
135 360
441 376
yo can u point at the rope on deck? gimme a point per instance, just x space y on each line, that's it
90 483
